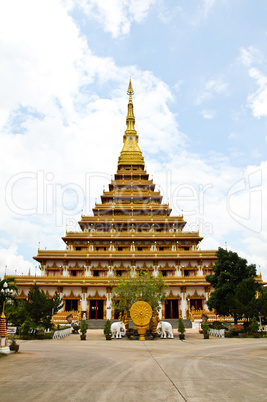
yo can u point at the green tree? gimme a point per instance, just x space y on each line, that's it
254 325
229 271
262 301
244 300
15 312
40 308
143 287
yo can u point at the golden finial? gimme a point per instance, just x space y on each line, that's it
130 90
131 153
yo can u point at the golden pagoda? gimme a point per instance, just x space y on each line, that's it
130 230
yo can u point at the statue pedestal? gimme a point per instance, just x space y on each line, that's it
4 348
142 332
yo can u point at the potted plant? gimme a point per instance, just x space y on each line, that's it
107 330
181 328
206 329
83 330
14 346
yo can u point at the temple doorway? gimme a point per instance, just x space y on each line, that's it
96 310
171 308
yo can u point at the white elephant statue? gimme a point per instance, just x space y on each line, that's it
118 329
165 329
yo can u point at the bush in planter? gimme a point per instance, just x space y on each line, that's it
13 345
83 329
181 328
205 329
107 329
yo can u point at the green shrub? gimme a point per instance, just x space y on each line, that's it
181 327
84 327
48 335
107 328
205 327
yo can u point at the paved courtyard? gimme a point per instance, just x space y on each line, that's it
123 370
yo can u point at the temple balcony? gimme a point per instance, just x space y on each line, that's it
133 235
128 219
131 192
141 255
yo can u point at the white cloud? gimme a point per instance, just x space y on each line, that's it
207 6
116 16
11 263
234 136
257 101
250 55
203 11
208 114
212 88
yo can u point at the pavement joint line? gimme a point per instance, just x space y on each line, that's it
164 372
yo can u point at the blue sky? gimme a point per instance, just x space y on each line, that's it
199 71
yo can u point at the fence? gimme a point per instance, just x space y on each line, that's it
217 332
62 333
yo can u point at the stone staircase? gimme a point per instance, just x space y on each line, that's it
99 324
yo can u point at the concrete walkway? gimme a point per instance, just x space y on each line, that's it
217 369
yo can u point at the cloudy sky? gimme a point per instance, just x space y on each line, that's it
199 71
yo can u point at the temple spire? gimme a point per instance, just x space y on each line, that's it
130 88
130 120
131 153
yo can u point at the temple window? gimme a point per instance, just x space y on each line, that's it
186 272
121 272
169 273
196 304
73 273
95 272
71 305
139 248
186 248
78 248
